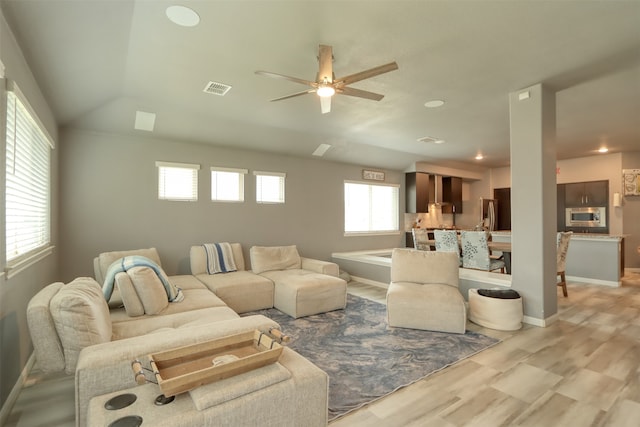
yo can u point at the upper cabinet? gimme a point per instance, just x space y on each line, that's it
593 193
451 194
421 191
417 188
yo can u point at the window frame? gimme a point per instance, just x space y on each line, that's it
240 172
282 184
26 122
174 165
395 212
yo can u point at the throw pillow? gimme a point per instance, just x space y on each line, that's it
149 288
132 304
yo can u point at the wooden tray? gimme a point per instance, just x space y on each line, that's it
185 368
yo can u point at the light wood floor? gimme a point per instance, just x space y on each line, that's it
584 370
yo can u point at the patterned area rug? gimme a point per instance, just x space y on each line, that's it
365 358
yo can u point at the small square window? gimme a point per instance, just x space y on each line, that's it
227 185
177 181
269 187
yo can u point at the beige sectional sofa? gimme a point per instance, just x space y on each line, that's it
74 329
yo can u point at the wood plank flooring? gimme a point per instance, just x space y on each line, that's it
584 370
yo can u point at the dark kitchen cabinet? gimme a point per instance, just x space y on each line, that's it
451 194
593 193
418 186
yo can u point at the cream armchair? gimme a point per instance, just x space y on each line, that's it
423 293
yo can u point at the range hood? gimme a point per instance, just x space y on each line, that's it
435 198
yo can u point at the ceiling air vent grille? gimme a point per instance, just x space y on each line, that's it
216 88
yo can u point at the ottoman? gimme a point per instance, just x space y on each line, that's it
300 293
501 310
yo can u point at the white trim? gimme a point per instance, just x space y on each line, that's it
281 174
13 87
22 264
610 283
370 282
7 407
371 233
543 323
236 170
177 165
381 184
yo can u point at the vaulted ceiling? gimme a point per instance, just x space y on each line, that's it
98 62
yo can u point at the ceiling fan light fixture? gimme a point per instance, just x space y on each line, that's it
325 91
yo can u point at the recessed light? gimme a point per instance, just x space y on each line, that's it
603 150
479 157
431 139
183 16
435 103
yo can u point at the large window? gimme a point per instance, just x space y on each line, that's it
227 185
177 181
269 187
370 208
27 182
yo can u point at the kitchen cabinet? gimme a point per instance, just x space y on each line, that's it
593 193
418 187
451 194
420 192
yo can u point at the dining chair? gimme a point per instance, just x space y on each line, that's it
420 239
561 258
447 241
475 252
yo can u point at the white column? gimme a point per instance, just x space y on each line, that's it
533 201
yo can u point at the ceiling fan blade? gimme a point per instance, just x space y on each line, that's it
325 104
367 74
360 93
325 60
293 95
289 78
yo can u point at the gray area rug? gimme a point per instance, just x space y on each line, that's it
364 357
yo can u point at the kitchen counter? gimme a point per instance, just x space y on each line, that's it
591 258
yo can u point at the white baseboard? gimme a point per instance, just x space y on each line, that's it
370 282
15 391
610 283
543 323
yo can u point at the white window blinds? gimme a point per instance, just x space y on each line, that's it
269 187
370 208
177 181
28 158
227 184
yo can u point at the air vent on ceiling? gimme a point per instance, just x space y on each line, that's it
430 139
216 88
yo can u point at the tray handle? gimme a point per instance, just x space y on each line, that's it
138 372
279 335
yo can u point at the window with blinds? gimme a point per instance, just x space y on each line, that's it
370 208
27 181
177 181
227 184
269 187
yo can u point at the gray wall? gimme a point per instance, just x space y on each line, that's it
15 293
631 213
109 202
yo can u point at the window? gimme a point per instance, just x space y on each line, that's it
177 181
269 187
27 181
227 185
370 208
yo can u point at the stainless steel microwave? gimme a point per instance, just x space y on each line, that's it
586 217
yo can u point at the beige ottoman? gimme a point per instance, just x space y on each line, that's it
300 293
495 313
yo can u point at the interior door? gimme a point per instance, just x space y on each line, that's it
503 196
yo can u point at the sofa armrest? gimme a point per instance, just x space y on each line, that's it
318 266
106 367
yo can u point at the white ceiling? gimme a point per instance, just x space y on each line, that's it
98 62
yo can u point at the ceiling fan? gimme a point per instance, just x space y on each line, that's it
326 85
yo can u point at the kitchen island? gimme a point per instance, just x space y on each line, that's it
591 258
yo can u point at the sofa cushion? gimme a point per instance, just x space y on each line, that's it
243 291
218 392
46 344
149 288
132 304
269 258
81 318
